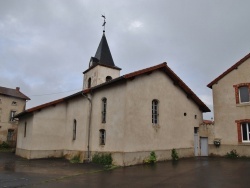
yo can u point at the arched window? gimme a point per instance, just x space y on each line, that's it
102 133
155 112
74 130
104 110
108 78
89 83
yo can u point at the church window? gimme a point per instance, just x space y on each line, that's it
104 110
102 136
89 83
74 130
108 78
155 112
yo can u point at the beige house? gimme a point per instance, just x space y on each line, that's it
12 102
128 116
231 96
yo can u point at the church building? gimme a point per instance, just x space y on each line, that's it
128 116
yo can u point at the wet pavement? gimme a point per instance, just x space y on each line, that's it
192 172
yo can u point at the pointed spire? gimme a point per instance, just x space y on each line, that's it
103 53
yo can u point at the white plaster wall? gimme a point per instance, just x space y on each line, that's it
175 130
115 119
48 131
98 75
225 109
25 142
78 109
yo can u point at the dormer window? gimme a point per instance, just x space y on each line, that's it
108 78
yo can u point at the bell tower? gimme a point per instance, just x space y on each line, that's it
101 67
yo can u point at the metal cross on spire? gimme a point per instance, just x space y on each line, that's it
104 22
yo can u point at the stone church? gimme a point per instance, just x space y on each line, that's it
128 116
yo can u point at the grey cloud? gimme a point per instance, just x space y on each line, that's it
46 45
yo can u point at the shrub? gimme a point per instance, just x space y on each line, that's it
75 159
232 154
151 159
4 145
103 159
174 155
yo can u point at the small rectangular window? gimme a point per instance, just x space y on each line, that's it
12 114
244 94
10 136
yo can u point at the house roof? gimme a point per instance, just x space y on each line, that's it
235 66
163 67
13 93
103 56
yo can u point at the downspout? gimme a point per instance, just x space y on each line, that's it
89 122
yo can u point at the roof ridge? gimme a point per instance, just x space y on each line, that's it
238 63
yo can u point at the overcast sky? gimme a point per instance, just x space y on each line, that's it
45 45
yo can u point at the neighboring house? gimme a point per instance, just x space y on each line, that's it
128 116
12 102
231 96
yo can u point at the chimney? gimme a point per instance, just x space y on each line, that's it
18 88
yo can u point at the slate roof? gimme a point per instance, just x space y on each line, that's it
13 93
163 67
235 66
103 56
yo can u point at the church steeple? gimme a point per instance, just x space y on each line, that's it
101 67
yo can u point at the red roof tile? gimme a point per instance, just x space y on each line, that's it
235 66
162 66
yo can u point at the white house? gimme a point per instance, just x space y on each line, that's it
128 116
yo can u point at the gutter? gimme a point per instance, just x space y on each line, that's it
89 123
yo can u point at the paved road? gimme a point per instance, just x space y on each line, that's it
192 172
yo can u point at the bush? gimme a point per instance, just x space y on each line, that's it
103 159
75 159
151 159
174 155
4 145
232 154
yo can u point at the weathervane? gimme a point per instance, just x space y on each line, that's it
104 22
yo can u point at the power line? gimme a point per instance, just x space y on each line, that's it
39 95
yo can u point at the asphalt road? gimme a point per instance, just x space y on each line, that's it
192 172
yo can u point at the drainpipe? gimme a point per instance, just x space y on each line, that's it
89 122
